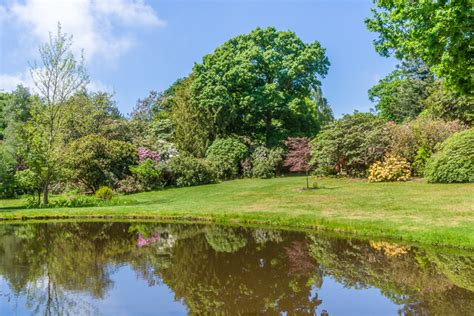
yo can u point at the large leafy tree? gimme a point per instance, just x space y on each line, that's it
257 85
438 32
400 95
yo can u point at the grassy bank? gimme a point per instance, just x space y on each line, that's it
412 211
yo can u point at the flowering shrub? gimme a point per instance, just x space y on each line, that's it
145 153
392 168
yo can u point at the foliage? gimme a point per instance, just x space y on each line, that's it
298 156
151 174
454 161
58 78
225 155
8 185
348 146
405 140
449 105
94 161
267 163
400 96
193 125
129 185
419 162
392 168
104 193
188 171
257 85
437 32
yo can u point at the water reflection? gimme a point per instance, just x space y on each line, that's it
78 268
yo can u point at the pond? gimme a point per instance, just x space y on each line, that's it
131 268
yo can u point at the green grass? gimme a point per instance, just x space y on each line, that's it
439 214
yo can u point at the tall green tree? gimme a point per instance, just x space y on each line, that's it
400 96
57 78
438 32
257 84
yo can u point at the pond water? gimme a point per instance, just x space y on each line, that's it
81 268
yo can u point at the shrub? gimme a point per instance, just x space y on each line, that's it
94 160
129 185
151 174
104 193
225 155
147 154
405 140
392 168
8 185
267 162
189 171
454 161
420 160
349 145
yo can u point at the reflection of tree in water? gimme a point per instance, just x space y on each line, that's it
231 273
222 270
408 276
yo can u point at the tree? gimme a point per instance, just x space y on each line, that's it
437 32
58 78
400 96
299 156
257 85
193 126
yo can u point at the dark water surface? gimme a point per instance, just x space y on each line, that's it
173 269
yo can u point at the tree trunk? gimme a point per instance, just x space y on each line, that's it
268 128
46 189
307 179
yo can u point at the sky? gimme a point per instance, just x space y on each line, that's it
134 46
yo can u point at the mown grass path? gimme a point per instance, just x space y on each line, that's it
439 214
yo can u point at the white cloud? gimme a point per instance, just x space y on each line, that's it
95 24
8 82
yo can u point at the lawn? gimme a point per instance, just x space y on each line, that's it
440 214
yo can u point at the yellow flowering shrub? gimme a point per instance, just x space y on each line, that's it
392 168
389 249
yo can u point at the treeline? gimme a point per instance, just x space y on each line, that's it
252 108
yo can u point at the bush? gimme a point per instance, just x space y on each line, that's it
104 193
129 185
392 168
349 145
405 140
225 156
454 161
151 174
267 162
189 171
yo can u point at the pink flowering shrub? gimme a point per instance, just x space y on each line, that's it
145 153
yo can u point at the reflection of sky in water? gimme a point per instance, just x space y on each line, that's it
338 300
131 295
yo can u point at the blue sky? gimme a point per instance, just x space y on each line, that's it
132 47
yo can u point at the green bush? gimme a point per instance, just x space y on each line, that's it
188 171
225 156
392 168
267 162
104 193
8 185
454 161
151 174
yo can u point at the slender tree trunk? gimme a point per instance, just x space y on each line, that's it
46 189
307 179
268 128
